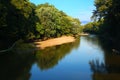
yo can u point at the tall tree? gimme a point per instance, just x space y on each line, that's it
110 12
17 19
54 23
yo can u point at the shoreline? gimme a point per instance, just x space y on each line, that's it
53 42
84 34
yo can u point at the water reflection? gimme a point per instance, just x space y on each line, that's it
88 58
93 41
15 66
49 57
110 69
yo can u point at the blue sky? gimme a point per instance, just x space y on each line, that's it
81 9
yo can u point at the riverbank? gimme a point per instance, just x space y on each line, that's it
84 34
54 42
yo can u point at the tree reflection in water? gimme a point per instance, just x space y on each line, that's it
98 67
16 65
110 68
49 57
107 71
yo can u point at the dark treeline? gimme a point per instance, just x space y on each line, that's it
17 19
106 15
24 20
109 11
106 18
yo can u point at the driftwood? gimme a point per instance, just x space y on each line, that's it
10 48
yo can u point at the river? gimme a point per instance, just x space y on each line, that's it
88 58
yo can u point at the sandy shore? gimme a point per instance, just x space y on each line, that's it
54 42
84 34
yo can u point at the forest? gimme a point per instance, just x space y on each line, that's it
105 18
106 21
25 20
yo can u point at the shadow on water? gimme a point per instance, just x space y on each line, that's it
16 65
49 57
110 68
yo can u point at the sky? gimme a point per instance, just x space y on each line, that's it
81 9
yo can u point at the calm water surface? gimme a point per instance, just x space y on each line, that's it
86 59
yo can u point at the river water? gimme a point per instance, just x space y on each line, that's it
86 59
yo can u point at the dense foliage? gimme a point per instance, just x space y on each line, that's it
110 12
24 20
17 19
92 27
54 23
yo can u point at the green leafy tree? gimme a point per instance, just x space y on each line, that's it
110 12
17 19
55 23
